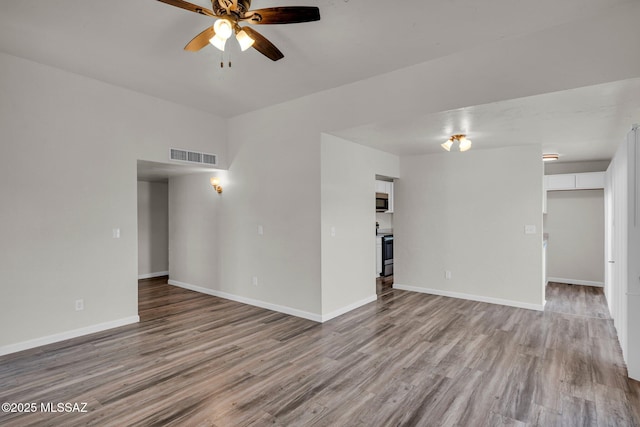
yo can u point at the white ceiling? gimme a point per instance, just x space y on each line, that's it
138 45
579 124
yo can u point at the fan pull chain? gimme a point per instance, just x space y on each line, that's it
222 60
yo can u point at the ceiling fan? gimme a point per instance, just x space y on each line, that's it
231 13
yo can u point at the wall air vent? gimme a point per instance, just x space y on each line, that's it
193 157
209 159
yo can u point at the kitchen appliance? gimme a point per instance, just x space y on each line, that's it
387 256
382 202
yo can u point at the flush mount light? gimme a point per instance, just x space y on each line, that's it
550 157
463 143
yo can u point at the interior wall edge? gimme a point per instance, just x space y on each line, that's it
479 298
250 301
63 336
152 275
575 281
348 308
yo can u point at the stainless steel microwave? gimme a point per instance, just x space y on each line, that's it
382 202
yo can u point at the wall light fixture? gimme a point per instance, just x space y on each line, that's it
215 183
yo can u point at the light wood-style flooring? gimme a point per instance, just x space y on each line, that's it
384 285
408 359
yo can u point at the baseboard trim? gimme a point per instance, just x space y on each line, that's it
152 275
575 282
348 308
460 295
75 333
250 301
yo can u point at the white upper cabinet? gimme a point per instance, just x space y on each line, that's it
574 181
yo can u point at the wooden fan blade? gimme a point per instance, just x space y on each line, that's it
283 15
262 45
189 6
201 40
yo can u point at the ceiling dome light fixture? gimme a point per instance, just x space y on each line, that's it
463 143
550 157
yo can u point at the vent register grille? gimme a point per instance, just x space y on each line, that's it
193 157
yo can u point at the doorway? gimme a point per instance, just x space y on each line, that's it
153 228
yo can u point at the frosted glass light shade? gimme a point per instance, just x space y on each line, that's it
465 144
244 40
223 28
447 145
218 42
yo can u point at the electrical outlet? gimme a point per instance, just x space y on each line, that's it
79 304
529 229
447 275
116 233
254 280
333 232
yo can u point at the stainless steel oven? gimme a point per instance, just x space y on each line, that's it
387 256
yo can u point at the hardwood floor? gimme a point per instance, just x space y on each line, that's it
408 359
384 285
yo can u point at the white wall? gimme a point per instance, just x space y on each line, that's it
83 138
575 225
153 229
274 182
622 286
633 254
348 207
274 153
194 231
465 213
68 174
385 220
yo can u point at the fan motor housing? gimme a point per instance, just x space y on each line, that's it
219 10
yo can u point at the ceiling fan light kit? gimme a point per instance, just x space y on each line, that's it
230 13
